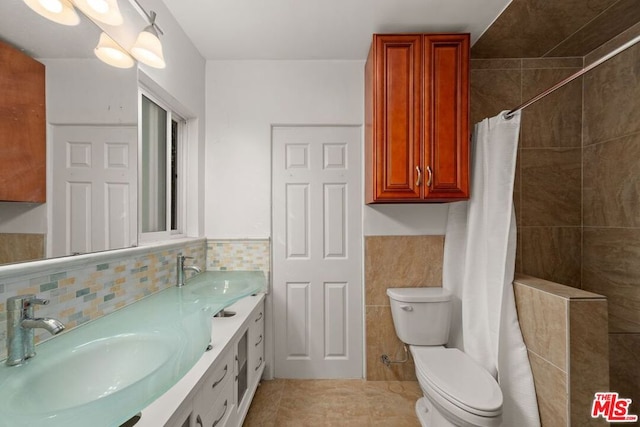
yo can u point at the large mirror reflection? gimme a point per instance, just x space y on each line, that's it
91 144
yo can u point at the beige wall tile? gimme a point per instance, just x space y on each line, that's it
611 268
611 185
546 63
624 350
543 321
382 339
551 391
552 253
19 247
555 288
401 261
589 358
551 182
495 64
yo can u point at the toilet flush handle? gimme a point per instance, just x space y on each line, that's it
406 307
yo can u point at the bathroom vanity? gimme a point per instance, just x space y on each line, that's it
165 355
218 390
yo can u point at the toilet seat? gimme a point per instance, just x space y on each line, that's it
457 379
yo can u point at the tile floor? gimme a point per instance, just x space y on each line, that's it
281 403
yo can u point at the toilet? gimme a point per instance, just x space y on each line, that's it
457 391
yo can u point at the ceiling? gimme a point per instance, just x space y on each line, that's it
319 29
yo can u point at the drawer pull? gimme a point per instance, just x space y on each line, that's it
221 378
199 421
430 176
259 364
215 423
419 180
259 317
259 340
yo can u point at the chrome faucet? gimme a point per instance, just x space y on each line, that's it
21 325
182 268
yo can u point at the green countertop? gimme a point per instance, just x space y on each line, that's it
104 372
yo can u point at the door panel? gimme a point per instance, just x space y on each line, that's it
94 188
317 228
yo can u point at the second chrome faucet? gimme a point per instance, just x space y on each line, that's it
181 269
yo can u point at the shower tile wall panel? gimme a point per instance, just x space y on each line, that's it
565 332
611 208
252 255
395 262
547 188
85 293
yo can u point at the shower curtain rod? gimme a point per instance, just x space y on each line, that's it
508 115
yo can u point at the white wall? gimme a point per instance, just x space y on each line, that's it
244 99
184 80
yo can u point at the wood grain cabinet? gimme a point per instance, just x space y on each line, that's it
22 127
416 118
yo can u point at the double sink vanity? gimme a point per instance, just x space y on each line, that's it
165 360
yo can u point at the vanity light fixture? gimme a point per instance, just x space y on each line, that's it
110 52
147 48
60 11
106 11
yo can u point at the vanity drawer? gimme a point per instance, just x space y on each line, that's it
215 381
221 410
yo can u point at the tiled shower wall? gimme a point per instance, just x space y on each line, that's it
83 291
578 183
611 205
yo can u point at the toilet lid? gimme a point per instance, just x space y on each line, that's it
459 379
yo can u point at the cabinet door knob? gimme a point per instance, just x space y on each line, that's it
430 176
419 180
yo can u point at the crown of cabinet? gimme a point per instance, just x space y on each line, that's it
22 127
417 118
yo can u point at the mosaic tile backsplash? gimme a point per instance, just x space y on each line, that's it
251 255
89 291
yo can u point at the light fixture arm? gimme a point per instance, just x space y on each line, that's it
151 17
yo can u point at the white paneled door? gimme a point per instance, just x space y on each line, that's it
317 252
94 188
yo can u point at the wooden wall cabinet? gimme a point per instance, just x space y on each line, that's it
416 118
22 127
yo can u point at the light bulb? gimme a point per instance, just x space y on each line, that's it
53 6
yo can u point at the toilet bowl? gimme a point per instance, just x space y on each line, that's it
458 392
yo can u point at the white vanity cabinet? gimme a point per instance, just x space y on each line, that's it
225 379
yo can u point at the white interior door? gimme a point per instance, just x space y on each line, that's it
317 252
94 188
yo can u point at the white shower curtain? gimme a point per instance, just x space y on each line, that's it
479 262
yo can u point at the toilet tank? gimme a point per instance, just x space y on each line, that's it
421 316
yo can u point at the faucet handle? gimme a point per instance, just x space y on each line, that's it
37 301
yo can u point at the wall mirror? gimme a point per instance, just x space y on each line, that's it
92 113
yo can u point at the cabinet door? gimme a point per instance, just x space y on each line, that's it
22 127
446 121
256 344
397 89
